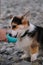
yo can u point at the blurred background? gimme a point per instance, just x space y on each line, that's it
19 7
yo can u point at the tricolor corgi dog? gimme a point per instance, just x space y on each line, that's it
30 37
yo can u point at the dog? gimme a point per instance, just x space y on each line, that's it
30 37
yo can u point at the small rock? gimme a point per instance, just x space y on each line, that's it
10 57
4 56
10 45
9 51
3 49
33 14
2 52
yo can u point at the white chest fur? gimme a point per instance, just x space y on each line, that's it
24 43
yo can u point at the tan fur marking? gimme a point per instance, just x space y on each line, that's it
34 48
25 21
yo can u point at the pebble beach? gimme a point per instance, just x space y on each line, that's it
17 8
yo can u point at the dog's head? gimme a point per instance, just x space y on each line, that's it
19 22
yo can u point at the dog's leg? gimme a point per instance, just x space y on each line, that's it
34 57
34 51
25 55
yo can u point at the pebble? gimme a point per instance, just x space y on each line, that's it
3 48
10 57
9 50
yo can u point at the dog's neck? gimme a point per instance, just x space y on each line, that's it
29 30
31 27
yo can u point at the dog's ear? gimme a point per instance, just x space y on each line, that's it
25 20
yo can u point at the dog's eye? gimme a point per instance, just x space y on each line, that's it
14 26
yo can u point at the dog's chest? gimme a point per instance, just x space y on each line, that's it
25 42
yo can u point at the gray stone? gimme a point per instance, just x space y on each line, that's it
9 51
3 48
4 56
9 57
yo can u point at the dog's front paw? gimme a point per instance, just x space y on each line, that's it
24 56
34 57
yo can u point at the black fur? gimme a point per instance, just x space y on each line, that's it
30 34
26 32
39 31
17 20
40 35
